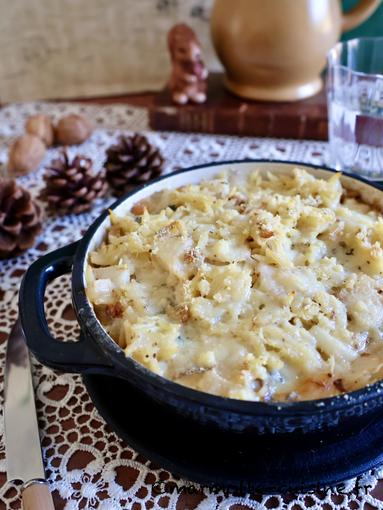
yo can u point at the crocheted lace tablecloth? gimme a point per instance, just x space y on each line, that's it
87 464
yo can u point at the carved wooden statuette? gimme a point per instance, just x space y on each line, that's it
188 77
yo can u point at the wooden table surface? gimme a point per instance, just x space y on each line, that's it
143 99
226 114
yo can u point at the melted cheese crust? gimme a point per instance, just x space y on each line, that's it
250 287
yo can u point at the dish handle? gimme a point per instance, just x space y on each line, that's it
73 356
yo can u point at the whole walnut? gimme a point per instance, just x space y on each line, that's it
25 154
41 125
73 129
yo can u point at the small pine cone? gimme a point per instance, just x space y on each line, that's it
131 162
71 186
20 219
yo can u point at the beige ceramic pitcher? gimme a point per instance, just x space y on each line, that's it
275 49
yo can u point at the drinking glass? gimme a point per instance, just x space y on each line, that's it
355 106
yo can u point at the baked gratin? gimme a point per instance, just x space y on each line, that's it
248 287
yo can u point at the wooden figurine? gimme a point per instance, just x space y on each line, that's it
188 77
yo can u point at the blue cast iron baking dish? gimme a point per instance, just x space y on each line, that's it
97 353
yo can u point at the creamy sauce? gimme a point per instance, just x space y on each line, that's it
256 289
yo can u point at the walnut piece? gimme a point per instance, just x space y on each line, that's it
41 126
25 155
73 129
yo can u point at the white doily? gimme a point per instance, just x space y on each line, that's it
87 464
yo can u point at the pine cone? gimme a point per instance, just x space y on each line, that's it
131 162
20 219
71 186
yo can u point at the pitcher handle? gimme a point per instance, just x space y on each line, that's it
363 10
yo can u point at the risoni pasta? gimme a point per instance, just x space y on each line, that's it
248 287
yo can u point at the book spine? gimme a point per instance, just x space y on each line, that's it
238 122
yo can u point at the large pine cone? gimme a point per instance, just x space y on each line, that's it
131 162
71 186
20 219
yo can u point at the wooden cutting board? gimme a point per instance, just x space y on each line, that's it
224 113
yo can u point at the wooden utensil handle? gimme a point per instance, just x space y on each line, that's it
37 496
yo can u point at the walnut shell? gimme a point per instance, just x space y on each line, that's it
40 125
73 129
25 154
